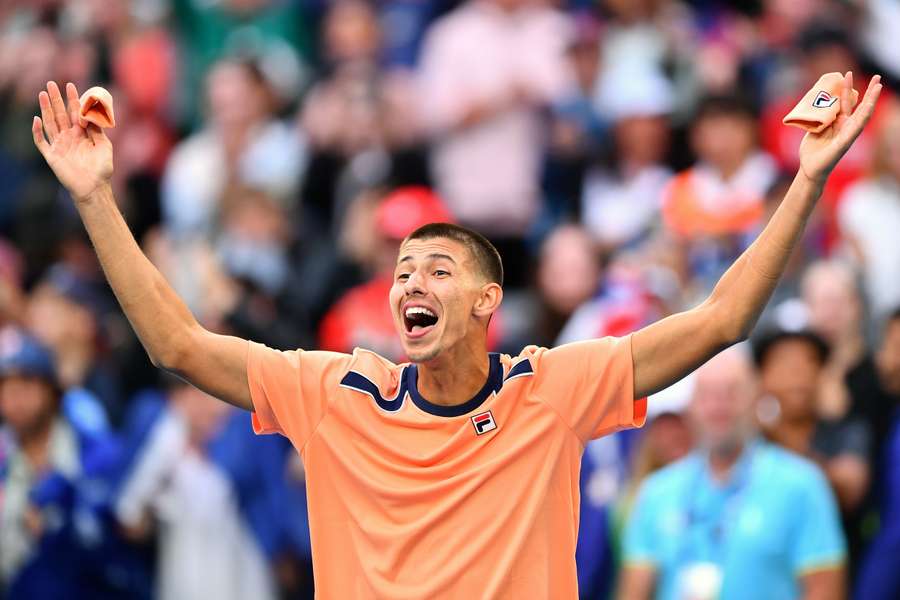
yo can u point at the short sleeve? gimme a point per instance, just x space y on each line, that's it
641 542
818 542
290 390
591 385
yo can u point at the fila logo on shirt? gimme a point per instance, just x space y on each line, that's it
824 100
484 422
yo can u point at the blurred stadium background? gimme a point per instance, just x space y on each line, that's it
270 154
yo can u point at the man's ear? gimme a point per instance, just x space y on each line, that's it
488 301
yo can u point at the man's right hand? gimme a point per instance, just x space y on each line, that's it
81 157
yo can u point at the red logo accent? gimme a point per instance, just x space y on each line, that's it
484 422
824 100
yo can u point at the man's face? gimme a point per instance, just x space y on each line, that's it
26 403
724 140
791 373
722 403
436 286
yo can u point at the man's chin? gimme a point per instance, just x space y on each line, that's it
420 355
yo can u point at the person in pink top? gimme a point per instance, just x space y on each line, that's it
454 475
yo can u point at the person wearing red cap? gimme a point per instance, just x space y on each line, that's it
361 317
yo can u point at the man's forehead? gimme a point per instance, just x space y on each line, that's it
419 249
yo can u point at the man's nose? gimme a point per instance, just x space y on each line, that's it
414 284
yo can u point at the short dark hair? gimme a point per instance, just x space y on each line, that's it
724 105
764 344
482 250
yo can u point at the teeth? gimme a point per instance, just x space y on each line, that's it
419 310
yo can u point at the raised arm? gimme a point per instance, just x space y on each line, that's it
666 351
82 160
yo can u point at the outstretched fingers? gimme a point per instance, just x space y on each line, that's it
73 104
59 106
37 134
847 103
47 116
866 108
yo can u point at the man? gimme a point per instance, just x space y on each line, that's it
486 69
791 366
738 518
55 484
455 475
195 483
360 318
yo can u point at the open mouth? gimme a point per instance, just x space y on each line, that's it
419 320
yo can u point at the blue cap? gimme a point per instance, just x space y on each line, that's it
23 354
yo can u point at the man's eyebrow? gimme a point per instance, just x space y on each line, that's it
433 256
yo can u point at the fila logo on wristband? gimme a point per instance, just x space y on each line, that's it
484 422
824 100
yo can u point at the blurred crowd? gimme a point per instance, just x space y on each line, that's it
270 156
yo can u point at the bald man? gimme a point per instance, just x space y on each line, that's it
738 517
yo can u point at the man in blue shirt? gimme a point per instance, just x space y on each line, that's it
737 518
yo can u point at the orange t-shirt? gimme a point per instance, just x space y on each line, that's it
408 499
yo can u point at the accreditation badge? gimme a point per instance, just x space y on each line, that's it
699 581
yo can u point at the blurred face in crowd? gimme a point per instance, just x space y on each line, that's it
642 140
888 357
722 406
790 373
830 294
569 270
203 414
670 438
724 140
351 31
27 404
439 297
35 58
59 322
235 96
829 58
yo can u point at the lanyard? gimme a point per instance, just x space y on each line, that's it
707 526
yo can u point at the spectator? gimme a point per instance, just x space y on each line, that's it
567 275
836 314
64 312
56 484
737 518
242 144
791 367
879 577
214 508
717 203
272 31
360 117
621 204
486 69
870 217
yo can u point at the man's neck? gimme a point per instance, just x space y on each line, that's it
723 458
455 376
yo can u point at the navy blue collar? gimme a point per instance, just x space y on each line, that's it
493 384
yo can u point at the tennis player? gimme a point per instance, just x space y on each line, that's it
456 475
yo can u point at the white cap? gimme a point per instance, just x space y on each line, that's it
633 91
